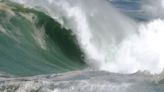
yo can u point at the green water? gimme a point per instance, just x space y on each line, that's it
33 43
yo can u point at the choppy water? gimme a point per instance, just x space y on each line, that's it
84 81
81 45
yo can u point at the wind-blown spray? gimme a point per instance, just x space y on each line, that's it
110 40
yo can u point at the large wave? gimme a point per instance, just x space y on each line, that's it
31 43
55 36
110 40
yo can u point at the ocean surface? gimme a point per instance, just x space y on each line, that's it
81 45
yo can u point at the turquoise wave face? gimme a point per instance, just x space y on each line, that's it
32 43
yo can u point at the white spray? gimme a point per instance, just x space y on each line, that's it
110 40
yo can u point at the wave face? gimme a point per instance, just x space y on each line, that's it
32 43
103 40
111 40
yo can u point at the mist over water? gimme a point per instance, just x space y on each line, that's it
111 40
81 45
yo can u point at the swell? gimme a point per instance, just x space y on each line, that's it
32 43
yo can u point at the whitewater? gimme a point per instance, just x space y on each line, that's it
81 45
110 40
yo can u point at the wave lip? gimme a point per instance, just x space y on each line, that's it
110 40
